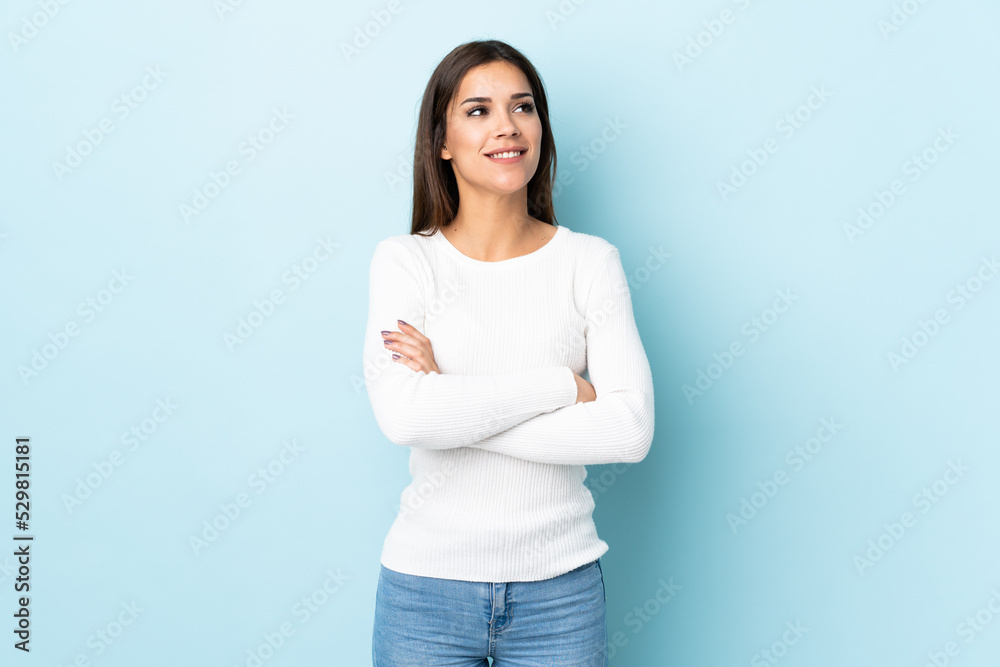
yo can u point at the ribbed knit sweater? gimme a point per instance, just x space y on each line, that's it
497 441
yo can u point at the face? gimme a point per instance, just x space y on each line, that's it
493 109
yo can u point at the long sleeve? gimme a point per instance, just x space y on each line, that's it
618 426
441 410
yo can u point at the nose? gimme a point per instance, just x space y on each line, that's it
505 125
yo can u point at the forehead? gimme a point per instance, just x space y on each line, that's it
499 76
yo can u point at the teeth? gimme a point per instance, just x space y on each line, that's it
505 155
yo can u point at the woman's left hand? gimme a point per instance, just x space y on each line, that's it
414 349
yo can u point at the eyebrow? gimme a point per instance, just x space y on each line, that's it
515 96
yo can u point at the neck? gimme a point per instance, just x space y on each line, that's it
493 225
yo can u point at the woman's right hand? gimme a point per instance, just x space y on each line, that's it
584 390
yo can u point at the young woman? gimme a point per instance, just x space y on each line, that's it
494 551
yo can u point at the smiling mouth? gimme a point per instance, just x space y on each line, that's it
506 154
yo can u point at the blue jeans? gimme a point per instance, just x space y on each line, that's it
431 621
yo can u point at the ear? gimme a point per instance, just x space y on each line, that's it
445 153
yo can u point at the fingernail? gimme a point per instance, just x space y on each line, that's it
386 333
402 322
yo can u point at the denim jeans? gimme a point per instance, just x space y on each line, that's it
431 621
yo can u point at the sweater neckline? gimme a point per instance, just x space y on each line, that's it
460 256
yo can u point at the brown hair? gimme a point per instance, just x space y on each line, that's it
435 191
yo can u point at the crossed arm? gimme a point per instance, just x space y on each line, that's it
530 414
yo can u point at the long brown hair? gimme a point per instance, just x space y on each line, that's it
435 190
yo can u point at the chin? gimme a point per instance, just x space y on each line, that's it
509 190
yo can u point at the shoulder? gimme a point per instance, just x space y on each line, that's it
587 247
590 253
400 245
407 251
398 242
597 267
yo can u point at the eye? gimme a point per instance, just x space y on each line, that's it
527 106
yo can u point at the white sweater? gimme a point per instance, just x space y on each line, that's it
497 441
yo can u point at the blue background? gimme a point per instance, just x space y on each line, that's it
337 173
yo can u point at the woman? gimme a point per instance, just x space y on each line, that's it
494 551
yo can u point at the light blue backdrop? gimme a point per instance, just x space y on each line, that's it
826 496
